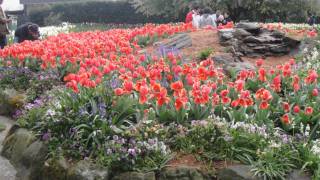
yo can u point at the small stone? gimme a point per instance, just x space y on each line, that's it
135 176
250 27
225 35
298 175
234 68
223 59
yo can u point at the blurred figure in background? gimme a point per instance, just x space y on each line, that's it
4 30
220 20
28 31
194 10
214 19
226 19
206 19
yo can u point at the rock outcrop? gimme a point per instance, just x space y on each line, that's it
249 39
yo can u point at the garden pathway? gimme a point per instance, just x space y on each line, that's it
7 171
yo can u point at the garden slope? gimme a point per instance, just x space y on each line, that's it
203 39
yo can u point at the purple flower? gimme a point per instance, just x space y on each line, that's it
29 106
46 136
151 141
17 114
132 152
132 141
114 83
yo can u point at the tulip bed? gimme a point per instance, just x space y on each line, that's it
133 112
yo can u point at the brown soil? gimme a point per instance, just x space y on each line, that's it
191 161
203 39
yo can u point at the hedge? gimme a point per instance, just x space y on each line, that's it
119 12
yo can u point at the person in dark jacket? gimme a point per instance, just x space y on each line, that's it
28 31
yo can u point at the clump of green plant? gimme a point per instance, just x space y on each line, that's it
204 54
275 162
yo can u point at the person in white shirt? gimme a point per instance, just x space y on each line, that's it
214 19
196 20
206 19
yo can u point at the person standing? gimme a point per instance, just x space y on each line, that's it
4 30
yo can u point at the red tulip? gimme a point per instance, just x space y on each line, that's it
118 91
286 107
264 105
259 62
315 92
286 119
309 111
296 109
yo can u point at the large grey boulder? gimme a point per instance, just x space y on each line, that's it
249 39
135 176
16 143
55 169
86 170
237 172
182 173
178 41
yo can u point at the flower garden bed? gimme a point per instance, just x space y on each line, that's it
122 111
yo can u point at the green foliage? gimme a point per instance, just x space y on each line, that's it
83 27
263 10
120 12
309 161
275 162
204 54
16 78
202 137
31 119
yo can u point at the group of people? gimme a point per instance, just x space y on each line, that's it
203 17
27 31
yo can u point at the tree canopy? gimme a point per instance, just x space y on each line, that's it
253 10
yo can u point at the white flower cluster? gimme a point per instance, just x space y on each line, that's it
315 149
250 128
156 145
311 58
292 26
55 30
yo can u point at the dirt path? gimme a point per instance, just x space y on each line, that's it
7 171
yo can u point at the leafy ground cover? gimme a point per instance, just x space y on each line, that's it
134 112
